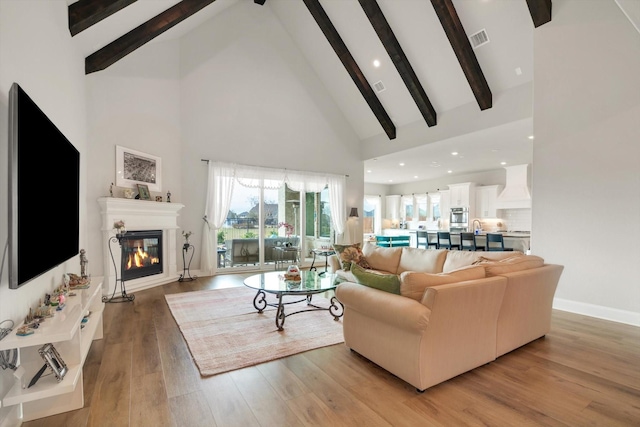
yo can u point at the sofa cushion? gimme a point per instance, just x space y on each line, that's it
458 259
380 258
413 284
351 254
383 282
508 265
422 260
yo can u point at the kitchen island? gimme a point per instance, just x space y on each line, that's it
516 240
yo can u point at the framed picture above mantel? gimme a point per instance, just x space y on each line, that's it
135 167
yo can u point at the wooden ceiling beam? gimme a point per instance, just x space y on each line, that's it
142 34
397 55
540 11
464 52
85 13
351 66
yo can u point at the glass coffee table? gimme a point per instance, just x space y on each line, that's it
311 283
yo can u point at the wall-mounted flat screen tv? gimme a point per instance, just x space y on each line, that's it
44 192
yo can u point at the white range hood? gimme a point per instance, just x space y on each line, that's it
516 193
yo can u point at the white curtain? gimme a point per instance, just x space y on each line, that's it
219 191
337 204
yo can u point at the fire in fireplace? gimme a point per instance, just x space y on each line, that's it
141 254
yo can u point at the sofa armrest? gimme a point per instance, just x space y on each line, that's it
333 263
396 310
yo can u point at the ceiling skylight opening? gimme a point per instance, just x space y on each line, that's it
376 63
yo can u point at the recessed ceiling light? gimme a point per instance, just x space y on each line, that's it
530 136
449 171
390 180
376 63
415 176
368 170
503 163
518 71
454 153
401 164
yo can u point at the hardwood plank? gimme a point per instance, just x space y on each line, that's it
146 354
180 372
113 387
283 381
263 400
226 402
149 404
192 410
312 411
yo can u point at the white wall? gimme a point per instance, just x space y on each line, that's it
36 52
586 179
249 97
135 103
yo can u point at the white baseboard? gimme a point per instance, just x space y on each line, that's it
601 312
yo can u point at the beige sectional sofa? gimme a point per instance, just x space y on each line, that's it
456 310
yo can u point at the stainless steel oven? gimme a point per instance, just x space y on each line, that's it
459 219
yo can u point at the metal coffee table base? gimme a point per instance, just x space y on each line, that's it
260 303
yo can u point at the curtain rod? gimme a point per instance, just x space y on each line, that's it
207 161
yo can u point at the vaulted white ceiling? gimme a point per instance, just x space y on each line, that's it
506 61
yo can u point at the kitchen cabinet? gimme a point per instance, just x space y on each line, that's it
392 211
486 201
72 338
462 195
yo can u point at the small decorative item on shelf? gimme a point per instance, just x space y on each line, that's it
128 193
288 228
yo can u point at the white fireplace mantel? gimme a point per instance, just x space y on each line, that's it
139 215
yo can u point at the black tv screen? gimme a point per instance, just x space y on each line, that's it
44 192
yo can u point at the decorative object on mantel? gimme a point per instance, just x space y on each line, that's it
143 192
158 198
124 297
168 196
128 193
134 167
186 247
111 190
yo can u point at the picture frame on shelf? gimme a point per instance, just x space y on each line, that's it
53 360
135 167
143 192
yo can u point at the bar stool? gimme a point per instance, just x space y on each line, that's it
422 240
468 242
444 241
498 243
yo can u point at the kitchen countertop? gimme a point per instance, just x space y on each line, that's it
523 234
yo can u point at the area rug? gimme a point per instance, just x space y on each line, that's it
225 332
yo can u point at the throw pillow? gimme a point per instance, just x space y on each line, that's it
349 254
384 282
509 265
413 284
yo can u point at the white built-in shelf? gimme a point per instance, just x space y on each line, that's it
73 341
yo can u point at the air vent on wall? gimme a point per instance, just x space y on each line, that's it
479 38
379 86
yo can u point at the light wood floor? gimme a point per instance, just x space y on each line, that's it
585 372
